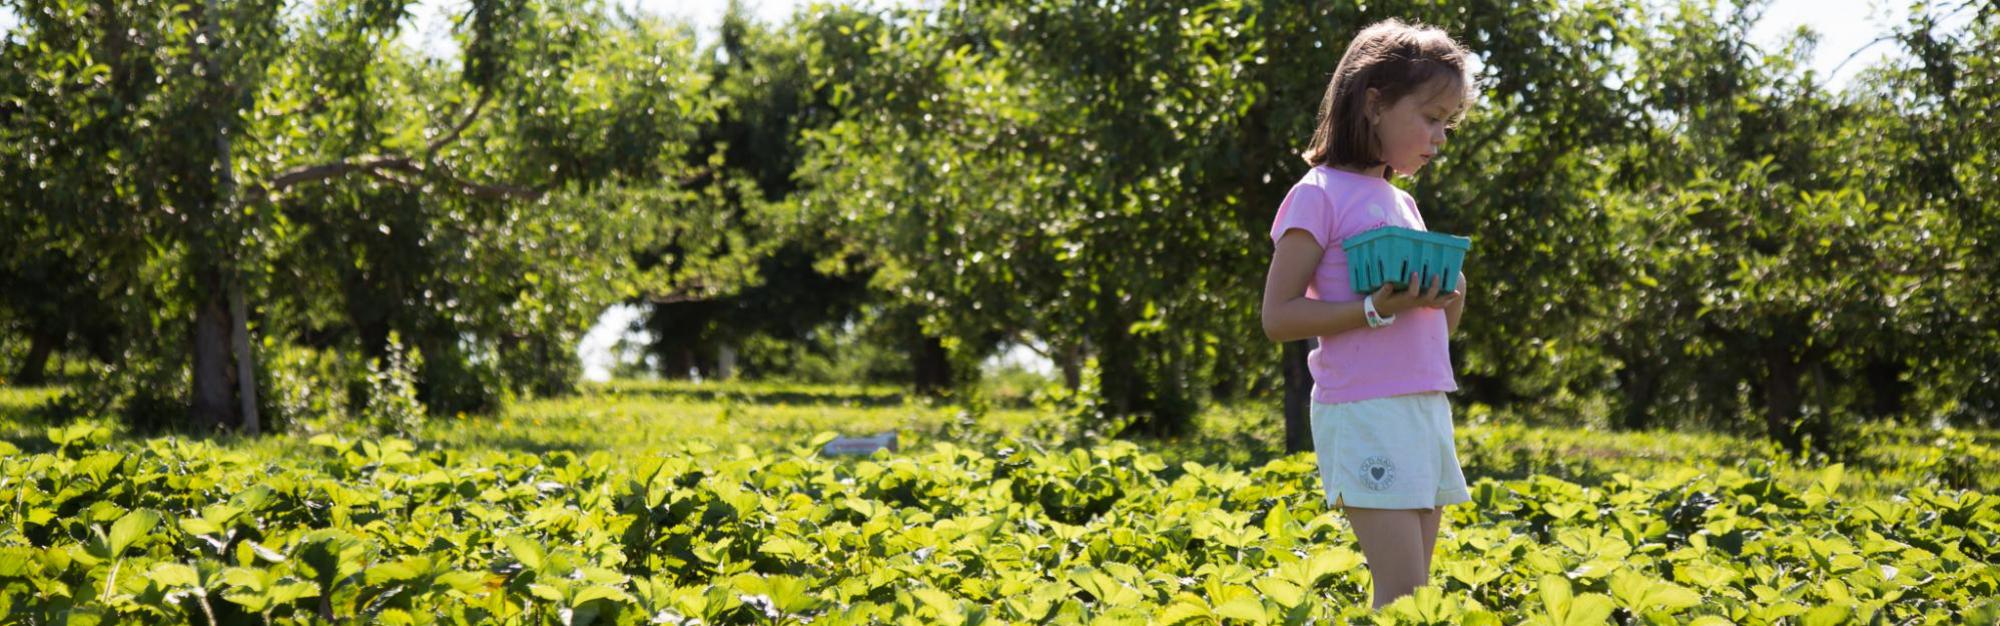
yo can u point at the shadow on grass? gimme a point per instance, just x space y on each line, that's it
861 399
523 443
23 422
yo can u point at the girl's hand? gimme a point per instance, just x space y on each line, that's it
1458 304
1391 303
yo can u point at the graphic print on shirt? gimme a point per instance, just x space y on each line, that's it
1377 472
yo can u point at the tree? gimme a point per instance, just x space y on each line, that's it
737 264
210 142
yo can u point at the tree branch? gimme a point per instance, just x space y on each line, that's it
1857 52
377 166
336 169
452 135
498 191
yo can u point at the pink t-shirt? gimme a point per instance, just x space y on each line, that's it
1410 356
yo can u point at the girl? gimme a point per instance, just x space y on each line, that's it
1380 423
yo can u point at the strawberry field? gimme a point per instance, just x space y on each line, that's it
684 528
399 312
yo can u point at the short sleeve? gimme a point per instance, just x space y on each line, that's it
1305 208
1410 203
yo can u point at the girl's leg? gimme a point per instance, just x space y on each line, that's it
1429 519
1392 540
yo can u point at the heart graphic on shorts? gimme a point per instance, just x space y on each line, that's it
1377 472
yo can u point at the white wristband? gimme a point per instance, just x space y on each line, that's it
1375 318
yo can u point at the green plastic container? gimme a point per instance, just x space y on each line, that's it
1390 253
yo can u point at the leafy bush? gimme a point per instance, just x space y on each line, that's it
393 405
373 530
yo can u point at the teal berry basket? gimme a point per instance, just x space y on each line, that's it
1390 253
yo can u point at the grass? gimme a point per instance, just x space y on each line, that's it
639 418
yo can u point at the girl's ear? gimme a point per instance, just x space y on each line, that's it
1371 109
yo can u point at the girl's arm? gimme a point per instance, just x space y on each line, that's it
1456 309
1288 314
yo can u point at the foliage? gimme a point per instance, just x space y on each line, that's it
348 186
1677 224
374 529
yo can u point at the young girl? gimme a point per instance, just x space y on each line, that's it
1380 422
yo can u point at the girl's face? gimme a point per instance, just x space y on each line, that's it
1411 130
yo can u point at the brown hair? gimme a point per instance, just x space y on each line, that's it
1395 59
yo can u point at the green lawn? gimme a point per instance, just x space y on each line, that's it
628 418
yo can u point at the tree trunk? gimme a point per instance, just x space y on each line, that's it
1298 396
1640 383
930 365
246 368
1072 365
1781 398
218 285
34 368
1886 384
725 362
1819 425
211 355
678 364
1138 376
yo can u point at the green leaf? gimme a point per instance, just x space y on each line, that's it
1286 594
128 530
1591 608
1829 479
1427 605
406 569
1243 608
600 592
1108 590
291 589
1564 609
328 556
1474 573
1479 618
787 548
1829 615
84 432
820 440
173 575
792 594
525 550
937 600
463 582
251 550
1278 522
1184 613
17 561
545 592
1641 593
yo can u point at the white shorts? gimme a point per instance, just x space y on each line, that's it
1388 453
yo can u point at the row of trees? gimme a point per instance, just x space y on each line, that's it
1673 222
1674 225
190 185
